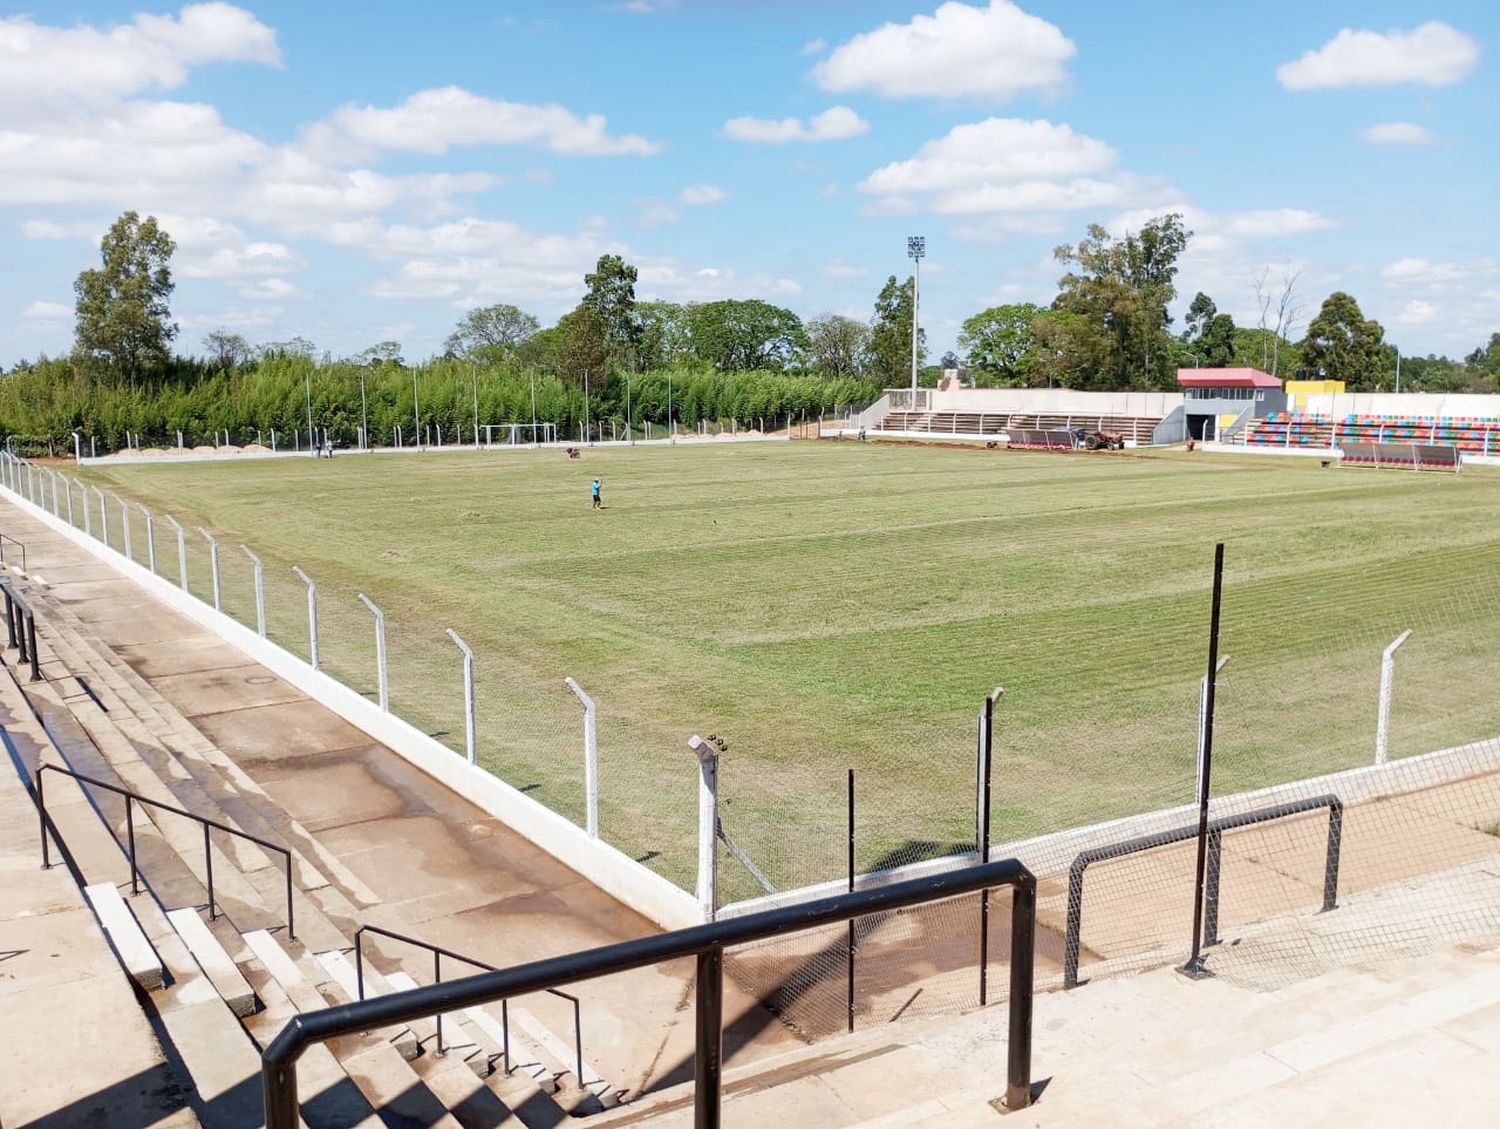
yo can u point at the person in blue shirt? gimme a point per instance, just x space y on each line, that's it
598 502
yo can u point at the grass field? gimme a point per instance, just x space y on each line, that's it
823 606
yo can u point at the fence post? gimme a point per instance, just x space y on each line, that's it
312 614
88 517
590 758
181 552
385 701
260 592
125 523
52 474
68 489
1387 681
468 695
103 516
1194 965
150 537
708 824
213 559
982 839
1203 722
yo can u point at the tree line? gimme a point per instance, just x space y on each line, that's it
627 362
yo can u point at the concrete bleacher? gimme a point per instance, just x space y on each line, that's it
221 988
1137 430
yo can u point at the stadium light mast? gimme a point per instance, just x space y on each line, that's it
916 248
364 412
416 408
312 442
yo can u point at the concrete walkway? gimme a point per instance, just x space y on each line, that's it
427 862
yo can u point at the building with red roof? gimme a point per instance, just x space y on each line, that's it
1217 400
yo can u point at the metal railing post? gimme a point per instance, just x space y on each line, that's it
213 560
708 825
68 489
385 700
208 862
36 670
53 476
41 815
125 524
181 552
150 538
1387 684
260 591
312 615
708 1066
1022 992
88 517
103 517
469 727
590 759
135 871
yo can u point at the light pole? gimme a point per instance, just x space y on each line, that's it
312 440
416 409
627 408
474 372
533 408
1398 368
364 412
916 247
1185 353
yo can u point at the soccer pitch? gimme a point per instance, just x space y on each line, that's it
824 606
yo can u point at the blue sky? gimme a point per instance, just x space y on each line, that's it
352 173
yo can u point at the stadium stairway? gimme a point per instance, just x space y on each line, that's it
220 989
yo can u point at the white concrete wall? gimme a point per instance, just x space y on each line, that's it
1437 405
614 872
1053 401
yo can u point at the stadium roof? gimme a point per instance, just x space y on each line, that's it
1226 378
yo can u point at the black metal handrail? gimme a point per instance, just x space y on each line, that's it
438 953
707 943
20 628
1216 829
136 797
4 537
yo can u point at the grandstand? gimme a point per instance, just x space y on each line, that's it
1476 435
992 413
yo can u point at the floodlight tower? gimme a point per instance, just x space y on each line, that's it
916 248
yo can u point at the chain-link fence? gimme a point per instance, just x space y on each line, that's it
1339 828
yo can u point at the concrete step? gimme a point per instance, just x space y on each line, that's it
342 973
217 964
244 802
125 934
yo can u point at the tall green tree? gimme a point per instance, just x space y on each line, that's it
998 344
583 348
890 335
483 332
1343 344
738 336
1122 288
122 311
1485 360
1209 335
839 346
664 339
228 350
611 295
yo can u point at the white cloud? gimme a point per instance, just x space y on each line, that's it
815 47
1397 133
1006 164
435 120
835 124
47 311
840 269
671 280
1416 312
829 191
1434 54
84 64
1423 276
696 195
51 229
1274 223
959 51
268 289
653 213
